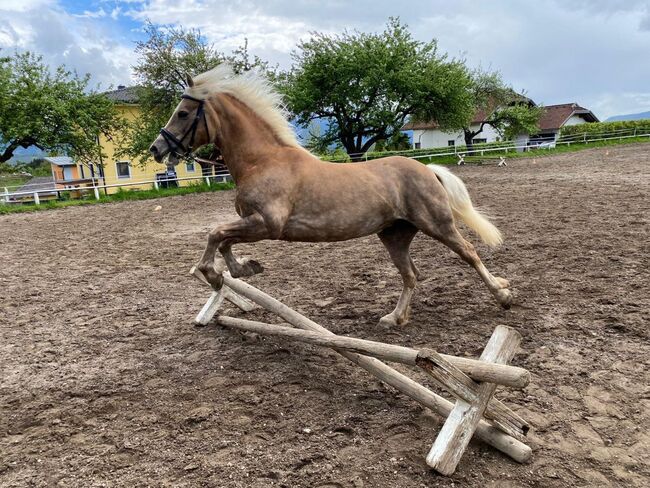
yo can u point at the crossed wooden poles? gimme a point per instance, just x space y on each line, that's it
472 382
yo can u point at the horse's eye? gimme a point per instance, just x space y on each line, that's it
183 114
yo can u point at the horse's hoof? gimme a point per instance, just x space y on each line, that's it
390 321
504 297
252 267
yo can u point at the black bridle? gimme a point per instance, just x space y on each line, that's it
174 142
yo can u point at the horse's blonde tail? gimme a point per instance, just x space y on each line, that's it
462 208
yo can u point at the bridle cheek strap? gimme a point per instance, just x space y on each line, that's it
174 142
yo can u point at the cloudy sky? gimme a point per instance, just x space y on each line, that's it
594 52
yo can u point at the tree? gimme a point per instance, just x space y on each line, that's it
508 112
399 141
53 111
165 57
366 85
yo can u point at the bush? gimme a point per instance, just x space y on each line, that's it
415 153
605 129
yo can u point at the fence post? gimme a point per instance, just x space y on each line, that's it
96 192
155 185
207 180
6 193
37 200
584 138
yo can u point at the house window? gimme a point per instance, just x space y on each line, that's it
479 141
123 169
189 166
418 145
451 142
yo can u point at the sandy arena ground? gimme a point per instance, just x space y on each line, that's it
104 381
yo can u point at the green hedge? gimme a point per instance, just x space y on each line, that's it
607 129
415 153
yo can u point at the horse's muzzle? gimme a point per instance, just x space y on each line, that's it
157 153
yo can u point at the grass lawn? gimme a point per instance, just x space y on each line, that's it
533 153
120 196
200 188
12 181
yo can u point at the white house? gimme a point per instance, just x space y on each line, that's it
553 119
429 135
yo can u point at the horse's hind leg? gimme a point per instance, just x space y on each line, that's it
447 233
397 240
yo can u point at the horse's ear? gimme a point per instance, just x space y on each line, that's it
189 81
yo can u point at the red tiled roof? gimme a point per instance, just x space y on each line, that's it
555 116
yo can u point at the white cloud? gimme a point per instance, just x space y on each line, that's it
24 5
586 51
97 14
76 41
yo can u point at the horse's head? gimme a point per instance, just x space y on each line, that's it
186 130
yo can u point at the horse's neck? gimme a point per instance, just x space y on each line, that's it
244 139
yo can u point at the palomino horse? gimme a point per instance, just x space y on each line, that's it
286 193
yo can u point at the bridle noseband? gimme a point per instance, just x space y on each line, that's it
174 142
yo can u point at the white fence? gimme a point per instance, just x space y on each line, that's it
540 143
48 189
36 192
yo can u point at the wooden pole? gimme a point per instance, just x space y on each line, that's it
500 374
491 435
443 371
427 359
379 350
457 431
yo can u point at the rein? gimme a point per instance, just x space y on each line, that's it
174 142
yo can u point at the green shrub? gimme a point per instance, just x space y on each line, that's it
416 153
606 129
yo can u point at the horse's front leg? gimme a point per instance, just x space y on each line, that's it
222 238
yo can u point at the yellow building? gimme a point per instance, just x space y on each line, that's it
132 175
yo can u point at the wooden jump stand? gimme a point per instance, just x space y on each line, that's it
472 382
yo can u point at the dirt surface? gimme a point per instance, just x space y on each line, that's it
104 381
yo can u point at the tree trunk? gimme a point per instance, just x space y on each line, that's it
9 151
469 139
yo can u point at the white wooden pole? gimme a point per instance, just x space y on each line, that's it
425 358
37 200
6 197
96 191
155 185
459 427
507 444
207 180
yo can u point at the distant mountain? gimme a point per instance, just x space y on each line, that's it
639 116
22 155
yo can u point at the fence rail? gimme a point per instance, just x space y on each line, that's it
506 146
582 138
10 197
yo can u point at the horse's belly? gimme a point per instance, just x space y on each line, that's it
328 227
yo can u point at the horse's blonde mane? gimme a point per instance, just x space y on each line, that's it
252 89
